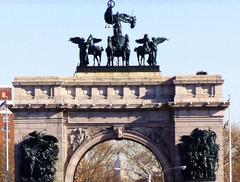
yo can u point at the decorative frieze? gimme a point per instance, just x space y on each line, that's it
199 88
134 91
118 91
29 92
102 91
180 89
70 92
208 90
87 92
190 90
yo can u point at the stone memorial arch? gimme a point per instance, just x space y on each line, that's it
134 103
178 118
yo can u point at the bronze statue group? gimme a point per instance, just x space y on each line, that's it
199 153
117 45
39 151
39 154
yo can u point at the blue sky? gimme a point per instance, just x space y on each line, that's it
204 35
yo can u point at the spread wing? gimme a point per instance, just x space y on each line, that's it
95 40
33 134
108 16
76 40
140 41
50 138
159 40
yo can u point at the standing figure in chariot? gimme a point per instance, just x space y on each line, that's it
118 44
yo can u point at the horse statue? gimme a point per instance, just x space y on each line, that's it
118 45
149 47
114 49
141 51
88 48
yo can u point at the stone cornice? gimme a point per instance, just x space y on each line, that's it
198 79
157 106
65 81
178 105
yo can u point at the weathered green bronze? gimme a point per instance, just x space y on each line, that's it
39 153
199 153
118 45
149 47
88 48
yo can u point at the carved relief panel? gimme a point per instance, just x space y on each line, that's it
87 92
190 90
70 92
208 90
118 91
78 136
29 92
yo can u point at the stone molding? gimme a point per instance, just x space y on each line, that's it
112 89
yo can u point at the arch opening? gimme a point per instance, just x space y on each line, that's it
118 160
132 138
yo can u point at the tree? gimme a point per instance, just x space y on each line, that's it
235 154
141 162
137 163
97 164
